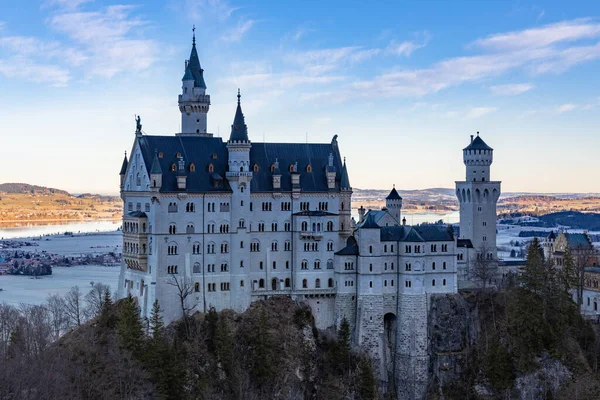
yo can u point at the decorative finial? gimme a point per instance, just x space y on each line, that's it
394 185
239 96
344 160
125 153
193 35
477 133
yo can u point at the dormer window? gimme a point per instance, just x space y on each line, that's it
309 168
178 155
192 167
160 155
291 168
174 167
272 168
213 156
255 168
211 168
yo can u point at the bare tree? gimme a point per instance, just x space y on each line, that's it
37 330
484 268
74 306
95 299
185 287
9 317
55 305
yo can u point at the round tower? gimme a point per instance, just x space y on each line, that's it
393 203
478 157
478 196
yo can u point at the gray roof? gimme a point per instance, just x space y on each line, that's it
369 222
552 235
592 269
155 169
393 195
421 233
345 183
239 130
203 151
137 214
194 70
578 241
124 166
478 144
351 248
464 243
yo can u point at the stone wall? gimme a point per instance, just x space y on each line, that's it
345 306
412 357
370 330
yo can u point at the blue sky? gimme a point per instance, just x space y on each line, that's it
402 83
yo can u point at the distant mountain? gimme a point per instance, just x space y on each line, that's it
25 188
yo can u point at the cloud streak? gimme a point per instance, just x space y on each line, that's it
565 108
511 89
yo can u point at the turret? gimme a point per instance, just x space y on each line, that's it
123 170
238 144
194 103
345 203
393 202
478 157
155 174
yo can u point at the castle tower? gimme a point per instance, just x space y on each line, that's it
193 100
478 196
393 202
345 203
239 176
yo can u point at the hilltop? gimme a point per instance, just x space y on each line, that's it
21 202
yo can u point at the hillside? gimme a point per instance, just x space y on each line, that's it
271 351
442 200
20 202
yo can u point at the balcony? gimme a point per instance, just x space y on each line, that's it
311 235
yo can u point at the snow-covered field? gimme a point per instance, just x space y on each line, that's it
25 289
17 289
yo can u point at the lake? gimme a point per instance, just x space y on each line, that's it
9 230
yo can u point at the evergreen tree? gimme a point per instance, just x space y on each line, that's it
534 277
569 271
130 326
105 315
367 386
156 321
343 344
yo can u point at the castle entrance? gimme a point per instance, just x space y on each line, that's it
389 323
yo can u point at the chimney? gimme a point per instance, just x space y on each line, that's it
471 138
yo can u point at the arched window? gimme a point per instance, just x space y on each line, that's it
304 283
309 168
317 283
255 168
330 282
173 167
274 284
370 249
304 226
261 284
211 168
287 282
196 268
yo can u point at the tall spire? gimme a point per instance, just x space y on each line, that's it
193 69
124 165
239 130
345 182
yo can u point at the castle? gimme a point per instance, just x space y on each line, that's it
229 223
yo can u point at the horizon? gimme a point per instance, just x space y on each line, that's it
404 86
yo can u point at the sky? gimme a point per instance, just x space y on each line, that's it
402 83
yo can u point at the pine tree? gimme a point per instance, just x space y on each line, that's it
156 321
130 327
105 315
533 277
569 272
343 344
367 388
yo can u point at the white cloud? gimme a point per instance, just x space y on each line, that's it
2 25
477 112
109 38
21 68
511 89
565 108
407 47
566 31
236 34
207 9
68 4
